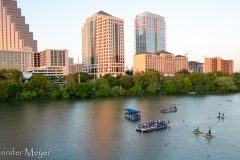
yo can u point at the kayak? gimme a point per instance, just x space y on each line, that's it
209 136
220 117
199 132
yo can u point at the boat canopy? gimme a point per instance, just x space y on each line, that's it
132 110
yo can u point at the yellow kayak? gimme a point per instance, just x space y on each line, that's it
220 117
209 136
194 132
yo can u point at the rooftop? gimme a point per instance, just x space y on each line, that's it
103 13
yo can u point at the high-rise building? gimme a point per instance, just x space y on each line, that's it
103 45
218 64
14 32
150 33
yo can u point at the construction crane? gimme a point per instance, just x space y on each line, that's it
187 53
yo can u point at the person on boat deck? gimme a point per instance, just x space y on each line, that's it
197 130
209 132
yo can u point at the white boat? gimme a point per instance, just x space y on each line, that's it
172 108
156 125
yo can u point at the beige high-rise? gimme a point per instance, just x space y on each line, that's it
103 45
14 33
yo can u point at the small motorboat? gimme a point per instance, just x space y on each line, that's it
172 108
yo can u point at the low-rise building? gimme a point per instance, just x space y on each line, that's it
162 61
48 62
218 64
75 68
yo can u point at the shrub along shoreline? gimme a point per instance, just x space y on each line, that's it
150 82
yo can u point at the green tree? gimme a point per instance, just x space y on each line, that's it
102 88
14 90
83 89
138 80
70 78
126 81
117 91
187 85
152 80
11 75
64 93
225 84
178 79
29 95
39 84
3 90
199 81
169 86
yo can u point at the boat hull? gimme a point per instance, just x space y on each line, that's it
166 111
132 117
194 132
209 136
148 129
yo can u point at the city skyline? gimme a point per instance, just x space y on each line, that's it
205 28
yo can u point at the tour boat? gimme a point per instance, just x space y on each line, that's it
132 114
172 108
156 125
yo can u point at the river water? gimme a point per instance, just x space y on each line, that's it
96 128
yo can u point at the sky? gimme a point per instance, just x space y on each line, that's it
201 28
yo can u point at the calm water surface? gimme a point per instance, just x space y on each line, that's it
97 129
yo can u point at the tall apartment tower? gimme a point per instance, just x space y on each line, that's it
103 45
14 33
150 33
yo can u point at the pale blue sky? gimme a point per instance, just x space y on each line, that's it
205 27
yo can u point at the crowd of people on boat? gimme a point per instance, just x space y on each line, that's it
132 114
153 124
169 108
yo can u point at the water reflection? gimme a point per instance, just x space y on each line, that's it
97 129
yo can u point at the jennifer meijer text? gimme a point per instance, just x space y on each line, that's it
26 152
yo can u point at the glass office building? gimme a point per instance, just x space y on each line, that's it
150 33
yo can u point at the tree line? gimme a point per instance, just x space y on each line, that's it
13 86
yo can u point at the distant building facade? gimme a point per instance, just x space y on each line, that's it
162 61
14 32
103 45
218 64
70 60
150 33
48 62
75 68
194 66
